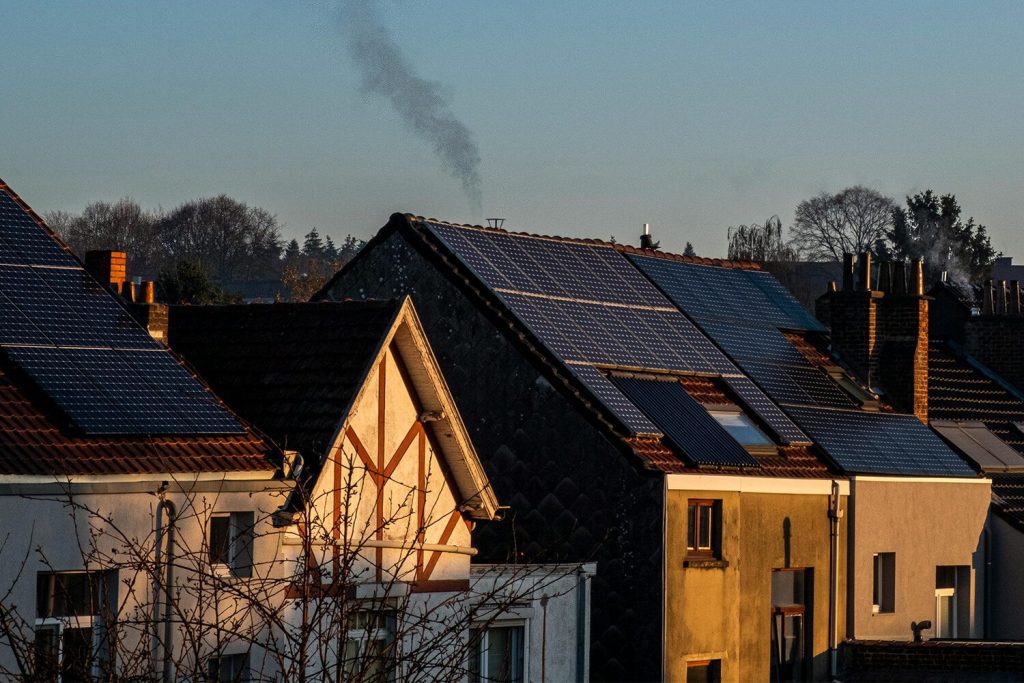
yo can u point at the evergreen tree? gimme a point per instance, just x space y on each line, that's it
330 251
689 250
292 252
313 246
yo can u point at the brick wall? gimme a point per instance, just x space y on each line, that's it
903 352
935 661
998 342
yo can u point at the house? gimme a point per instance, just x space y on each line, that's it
618 431
981 413
149 529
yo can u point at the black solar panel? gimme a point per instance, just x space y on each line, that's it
82 348
754 342
791 385
685 422
709 292
880 443
755 400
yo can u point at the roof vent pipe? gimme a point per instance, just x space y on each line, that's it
495 222
646 241
847 272
917 277
146 295
1014 308
865 272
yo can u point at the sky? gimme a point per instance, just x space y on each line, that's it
591 118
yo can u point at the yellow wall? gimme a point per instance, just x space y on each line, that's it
726 612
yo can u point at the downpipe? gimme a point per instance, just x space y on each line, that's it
834 515
163 564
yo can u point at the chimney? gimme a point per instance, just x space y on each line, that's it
988 299
1014 308
128 291
1001 296
883 335
646 241
152 316
108 267
847 272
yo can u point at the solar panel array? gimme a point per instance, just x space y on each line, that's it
880 443
685 422
590 306
714 293
83 349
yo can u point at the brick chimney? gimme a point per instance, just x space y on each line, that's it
996 337
108 267
148 313
882 334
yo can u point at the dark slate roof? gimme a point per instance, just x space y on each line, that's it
961 391
290 369
585 309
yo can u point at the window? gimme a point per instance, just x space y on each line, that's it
497 654
792 593
228 668
704 671
703 528
230 542
740 427
70 641
952 585
368 652
884 592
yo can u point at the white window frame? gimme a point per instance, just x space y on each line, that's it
59 624
362 637
240 522
482 644
941 593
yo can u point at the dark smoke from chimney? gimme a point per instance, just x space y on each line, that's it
386 72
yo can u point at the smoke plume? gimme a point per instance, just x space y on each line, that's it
387 73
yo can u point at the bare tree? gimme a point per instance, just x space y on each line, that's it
123 225
848 222
170 598
759 242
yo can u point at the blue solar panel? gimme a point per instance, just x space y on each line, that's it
612 397
81 347
755 400
23 241
791 385
753 342
710 292
880 443
685 422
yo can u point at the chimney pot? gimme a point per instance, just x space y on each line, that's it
899 277
831 289
987 302
917 277
1014 298
865 272
1001 296
146 294
847 272
646 241
884 276
128 291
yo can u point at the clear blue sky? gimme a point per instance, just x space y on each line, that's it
591 117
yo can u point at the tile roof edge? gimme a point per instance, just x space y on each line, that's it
960 354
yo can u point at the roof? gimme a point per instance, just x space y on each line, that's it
66 421
292 369
585 310
296 369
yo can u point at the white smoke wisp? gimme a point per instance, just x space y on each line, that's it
387 73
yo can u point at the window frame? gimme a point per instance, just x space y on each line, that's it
695 547
99 596
240 544
479 648
215 663
883 583
712 669
372 626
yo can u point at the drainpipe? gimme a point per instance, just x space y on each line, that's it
581 623
987 574
159 560
834 515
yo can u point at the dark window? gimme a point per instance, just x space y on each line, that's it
497 654
228 668
706 671
67 594
703 528
792 591
69 635
230 542
883 595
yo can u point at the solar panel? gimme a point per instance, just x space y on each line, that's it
612 397
685 422
755 400
82 348
754 342
23 241
880 443
791 385
714 293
